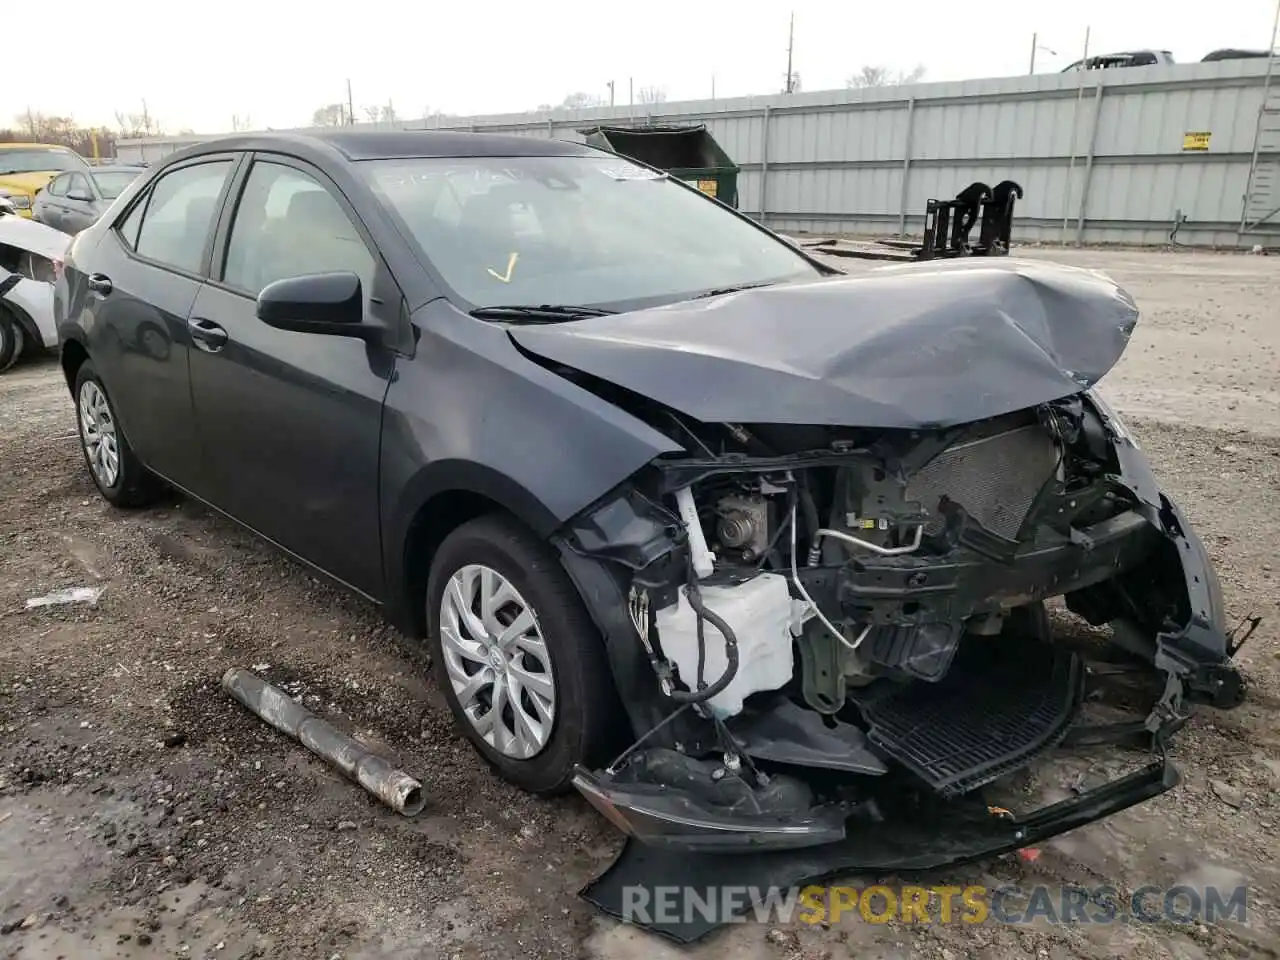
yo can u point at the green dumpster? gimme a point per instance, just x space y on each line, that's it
687 152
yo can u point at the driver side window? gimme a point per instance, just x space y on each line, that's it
288 224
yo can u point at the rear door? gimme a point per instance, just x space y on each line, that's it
141 280
290 422
47 206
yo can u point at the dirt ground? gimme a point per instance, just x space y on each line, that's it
144 815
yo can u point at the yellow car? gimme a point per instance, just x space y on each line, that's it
27 168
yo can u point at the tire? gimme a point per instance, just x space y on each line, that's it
585 714
129 484
11 340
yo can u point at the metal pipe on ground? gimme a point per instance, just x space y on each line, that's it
393 787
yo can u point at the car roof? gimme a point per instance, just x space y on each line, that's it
401 144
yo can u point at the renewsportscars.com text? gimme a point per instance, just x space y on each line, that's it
941 904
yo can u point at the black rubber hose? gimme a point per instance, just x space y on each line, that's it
811 524
730 650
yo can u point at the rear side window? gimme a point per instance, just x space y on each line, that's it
180 214
128 229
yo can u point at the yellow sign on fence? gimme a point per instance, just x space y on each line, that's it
1196 141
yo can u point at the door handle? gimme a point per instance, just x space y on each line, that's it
99 283
207 335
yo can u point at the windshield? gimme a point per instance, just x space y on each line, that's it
111 183
39 160
587 230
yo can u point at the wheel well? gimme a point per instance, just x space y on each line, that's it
73 356
435 520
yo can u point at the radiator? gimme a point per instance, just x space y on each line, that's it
995 478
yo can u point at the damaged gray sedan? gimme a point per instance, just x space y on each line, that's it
751 553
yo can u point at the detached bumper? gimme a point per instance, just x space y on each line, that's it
672 820
945 836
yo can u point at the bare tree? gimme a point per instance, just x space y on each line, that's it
239 122
381 114
331 115
874 76
651 95
581 99
792 82
138 125
44 128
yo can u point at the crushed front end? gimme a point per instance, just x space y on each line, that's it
821 632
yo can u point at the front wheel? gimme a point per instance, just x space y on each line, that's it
11 340
518 659
116 470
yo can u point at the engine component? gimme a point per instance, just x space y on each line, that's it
743 526
759 612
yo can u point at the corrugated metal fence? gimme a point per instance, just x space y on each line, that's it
1104 156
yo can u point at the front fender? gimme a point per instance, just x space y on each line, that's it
468 412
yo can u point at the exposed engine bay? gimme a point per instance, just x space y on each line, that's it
829 613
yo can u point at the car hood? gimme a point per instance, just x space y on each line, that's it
28 183
920 345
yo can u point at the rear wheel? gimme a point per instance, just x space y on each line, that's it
518 659
116 470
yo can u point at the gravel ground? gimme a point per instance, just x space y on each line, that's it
142 814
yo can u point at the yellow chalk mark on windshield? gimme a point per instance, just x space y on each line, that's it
511 265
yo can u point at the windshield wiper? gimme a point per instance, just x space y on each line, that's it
542 313
720 291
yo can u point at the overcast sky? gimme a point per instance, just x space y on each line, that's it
276 61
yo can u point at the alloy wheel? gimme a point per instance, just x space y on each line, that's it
98 434
497 661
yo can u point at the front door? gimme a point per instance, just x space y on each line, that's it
290 422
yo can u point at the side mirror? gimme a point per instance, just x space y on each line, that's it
79 195
322 303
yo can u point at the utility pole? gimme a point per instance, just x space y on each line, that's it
609 84
713 86
351 109
791 39
1075 112
1034 38
631 95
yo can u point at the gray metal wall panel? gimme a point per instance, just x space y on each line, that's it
833 161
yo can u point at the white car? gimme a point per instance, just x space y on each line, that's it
30 255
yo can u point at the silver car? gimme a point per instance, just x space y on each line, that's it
75 199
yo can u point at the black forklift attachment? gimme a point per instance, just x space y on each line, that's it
948 228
